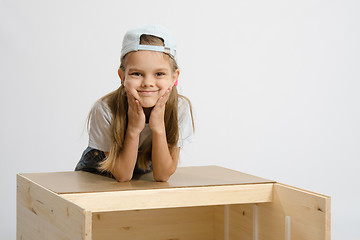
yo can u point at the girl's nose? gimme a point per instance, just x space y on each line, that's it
148 82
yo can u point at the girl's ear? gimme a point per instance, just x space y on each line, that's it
121 75
176 76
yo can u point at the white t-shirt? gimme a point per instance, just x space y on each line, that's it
101 119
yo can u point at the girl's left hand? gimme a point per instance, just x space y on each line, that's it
156 121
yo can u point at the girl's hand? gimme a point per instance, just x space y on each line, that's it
156 121
136 116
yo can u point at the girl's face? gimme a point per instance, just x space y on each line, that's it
147 76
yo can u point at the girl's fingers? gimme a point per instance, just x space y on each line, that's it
138 106
163 99
131 99
134 104
130 96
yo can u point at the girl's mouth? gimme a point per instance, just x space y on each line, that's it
148 92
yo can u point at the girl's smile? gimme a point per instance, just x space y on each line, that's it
147 93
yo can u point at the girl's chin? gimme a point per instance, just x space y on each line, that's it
147 104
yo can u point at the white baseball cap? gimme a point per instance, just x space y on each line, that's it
131 40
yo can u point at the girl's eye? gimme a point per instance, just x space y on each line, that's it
159 74
137 74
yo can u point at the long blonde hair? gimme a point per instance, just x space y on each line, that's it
118 104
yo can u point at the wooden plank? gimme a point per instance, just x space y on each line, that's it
196 223
241 222
43 215
172 197
309 215
82 182
219 222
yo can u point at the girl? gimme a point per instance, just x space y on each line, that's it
141 126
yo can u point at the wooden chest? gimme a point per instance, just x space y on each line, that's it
197 203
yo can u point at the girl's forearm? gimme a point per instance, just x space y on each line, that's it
126 161
164 165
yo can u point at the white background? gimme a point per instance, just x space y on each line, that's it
274 86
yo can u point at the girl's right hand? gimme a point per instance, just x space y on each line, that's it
136 115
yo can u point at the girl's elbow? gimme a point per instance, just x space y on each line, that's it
123 178
164 177
161 177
